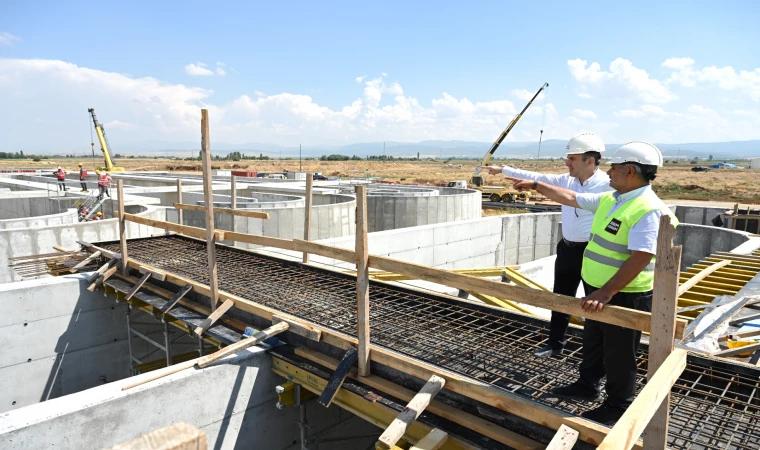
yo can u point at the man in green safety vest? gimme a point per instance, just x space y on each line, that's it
618 269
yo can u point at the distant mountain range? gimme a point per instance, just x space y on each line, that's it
437 149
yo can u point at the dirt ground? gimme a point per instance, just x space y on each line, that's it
675 181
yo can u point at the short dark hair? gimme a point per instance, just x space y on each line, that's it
596 155
645 171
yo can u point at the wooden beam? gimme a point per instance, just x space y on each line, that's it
307 214
477 424
254 239
102 278
177 297
299 328
211 319
104 252
564 439
416 406
227 211
85 261
737 336
122 227
737 351
205 361
337 378
233 201
362 281
178 436
615 315
158 275
590 432
662 334
691 282
741 320
432 441
101 270
179 200
136 287
628 428
208 200
195 232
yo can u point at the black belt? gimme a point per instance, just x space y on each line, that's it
574 244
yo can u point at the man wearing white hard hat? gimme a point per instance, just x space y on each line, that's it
583 154
618 269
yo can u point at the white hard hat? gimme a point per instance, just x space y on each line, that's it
585 142
638 152
59 167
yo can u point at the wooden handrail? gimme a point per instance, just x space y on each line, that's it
228 211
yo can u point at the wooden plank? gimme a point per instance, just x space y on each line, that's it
85 261
211 320
700 276
195 232
106 275
737 336
615 315
227 211
307 214
590 432
104 252
741 320
477 424
299 328
628 428
565 439
101 270
177 297
338 376
432 441
732 311
737 351
208 200
156 274
178 436
254 239
180 220
413 409
58 248
233 201
122 227
136 287
362 281
662 333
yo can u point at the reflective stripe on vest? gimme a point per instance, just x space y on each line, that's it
607 250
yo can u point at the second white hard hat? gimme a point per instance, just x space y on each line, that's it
638 152
585 142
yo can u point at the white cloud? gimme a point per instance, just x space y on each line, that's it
584 114
198 70
360 79
525 95
118 124
623 80
8 39
678 63
726 78
221 72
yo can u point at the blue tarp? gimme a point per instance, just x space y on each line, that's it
724 166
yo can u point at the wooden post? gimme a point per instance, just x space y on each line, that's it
307 214
663 326
122 227
179 200
208 199
233 203
362 280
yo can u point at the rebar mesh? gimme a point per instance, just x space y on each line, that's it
711 407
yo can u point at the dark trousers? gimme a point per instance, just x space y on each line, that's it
103 190
567 277
611 350
61 185
84 185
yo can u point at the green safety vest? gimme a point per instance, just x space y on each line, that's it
607 249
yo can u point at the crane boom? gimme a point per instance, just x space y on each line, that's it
104 147
477 180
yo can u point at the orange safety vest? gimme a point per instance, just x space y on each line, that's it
102 180
61 175
82 173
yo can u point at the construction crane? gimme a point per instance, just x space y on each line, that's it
104 147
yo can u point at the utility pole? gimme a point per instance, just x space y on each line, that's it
678 158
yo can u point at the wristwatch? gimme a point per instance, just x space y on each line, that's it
535 185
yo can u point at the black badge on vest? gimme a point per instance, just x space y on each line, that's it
613 226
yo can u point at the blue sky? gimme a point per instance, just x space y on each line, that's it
344 72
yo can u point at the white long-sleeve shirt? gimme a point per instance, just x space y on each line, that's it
576 222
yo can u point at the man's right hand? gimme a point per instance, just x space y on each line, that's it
521 185
493 170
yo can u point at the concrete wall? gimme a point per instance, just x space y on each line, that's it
67 217
699 241
393 212
57 338
12 207
32 241
233 403
697 215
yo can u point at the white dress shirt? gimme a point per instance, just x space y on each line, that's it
643 234
576 223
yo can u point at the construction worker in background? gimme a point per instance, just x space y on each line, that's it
618 269
98 216
104 181
583 154
60 174
83 177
